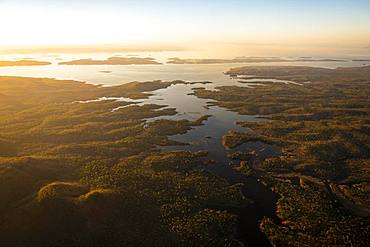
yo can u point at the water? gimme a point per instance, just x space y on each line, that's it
205 137
208 137
120 74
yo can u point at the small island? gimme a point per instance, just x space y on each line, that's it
23 63
176 60
113 61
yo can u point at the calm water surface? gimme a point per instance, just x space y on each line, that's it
206 137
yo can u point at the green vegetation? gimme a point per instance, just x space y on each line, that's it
78 174
323 174
305 74
245 169
234 139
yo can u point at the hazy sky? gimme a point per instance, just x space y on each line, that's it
291 23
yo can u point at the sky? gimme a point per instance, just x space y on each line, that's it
284 24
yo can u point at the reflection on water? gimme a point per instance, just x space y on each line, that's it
208 137
120 74
205 137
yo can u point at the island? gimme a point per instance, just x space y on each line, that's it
361 60
176 60
113 61
24 62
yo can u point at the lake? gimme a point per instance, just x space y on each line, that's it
206 137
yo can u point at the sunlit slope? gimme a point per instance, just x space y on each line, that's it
322 124
75 174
